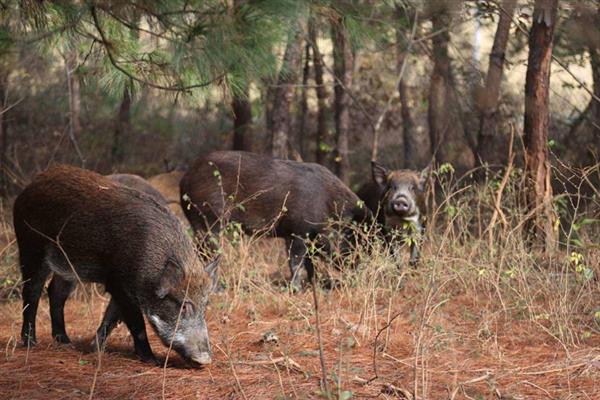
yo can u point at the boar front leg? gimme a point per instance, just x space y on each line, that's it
298 259
133 318
112 316
415 243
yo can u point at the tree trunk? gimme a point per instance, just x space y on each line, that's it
242 120
74 92
446 129
491 144
321 138
417 146
342 69
284 95
122 126
3 133
537 118
582 144
301 142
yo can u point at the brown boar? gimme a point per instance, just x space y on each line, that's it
81 226
284 198
397 198
168 185
139 183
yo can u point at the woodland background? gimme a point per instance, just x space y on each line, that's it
503 96
111 85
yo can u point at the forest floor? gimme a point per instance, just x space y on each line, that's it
482 317
462 350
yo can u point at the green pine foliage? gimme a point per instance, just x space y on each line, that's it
178 46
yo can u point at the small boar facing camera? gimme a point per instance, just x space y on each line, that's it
397 197
82 227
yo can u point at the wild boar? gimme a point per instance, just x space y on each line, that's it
168 185
139 183
397 198
284 198
83 227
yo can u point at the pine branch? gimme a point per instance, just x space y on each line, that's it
107 47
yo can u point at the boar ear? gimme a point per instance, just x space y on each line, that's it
380 174
211 269
171 276
424 175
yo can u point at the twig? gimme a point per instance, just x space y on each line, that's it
497 202
164 377
538 387
324 383
92 389
60 248
279 360
469 382
235 376
386 326
13 105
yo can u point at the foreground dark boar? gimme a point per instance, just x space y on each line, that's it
285 198
81 226
397 197
139 183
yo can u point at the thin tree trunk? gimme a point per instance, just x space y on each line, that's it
490 143
74 92
537 118
3 133
122 126
342 69
242 120
283 97
304 103
417 146
446 129
322 134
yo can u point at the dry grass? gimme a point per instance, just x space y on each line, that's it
471 322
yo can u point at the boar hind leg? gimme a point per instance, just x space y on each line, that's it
58 292
133 318
34 273
298 259
112 317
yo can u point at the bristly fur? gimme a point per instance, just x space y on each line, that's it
86 227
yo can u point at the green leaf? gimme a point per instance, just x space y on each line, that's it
346 394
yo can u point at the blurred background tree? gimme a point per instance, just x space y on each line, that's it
142 86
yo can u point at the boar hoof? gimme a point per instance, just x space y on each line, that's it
62 338
413 262
28 341
149 359
97 345
296 287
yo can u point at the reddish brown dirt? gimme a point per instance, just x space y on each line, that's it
519 361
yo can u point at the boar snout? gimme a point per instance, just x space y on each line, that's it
401 205
202 358
198 346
